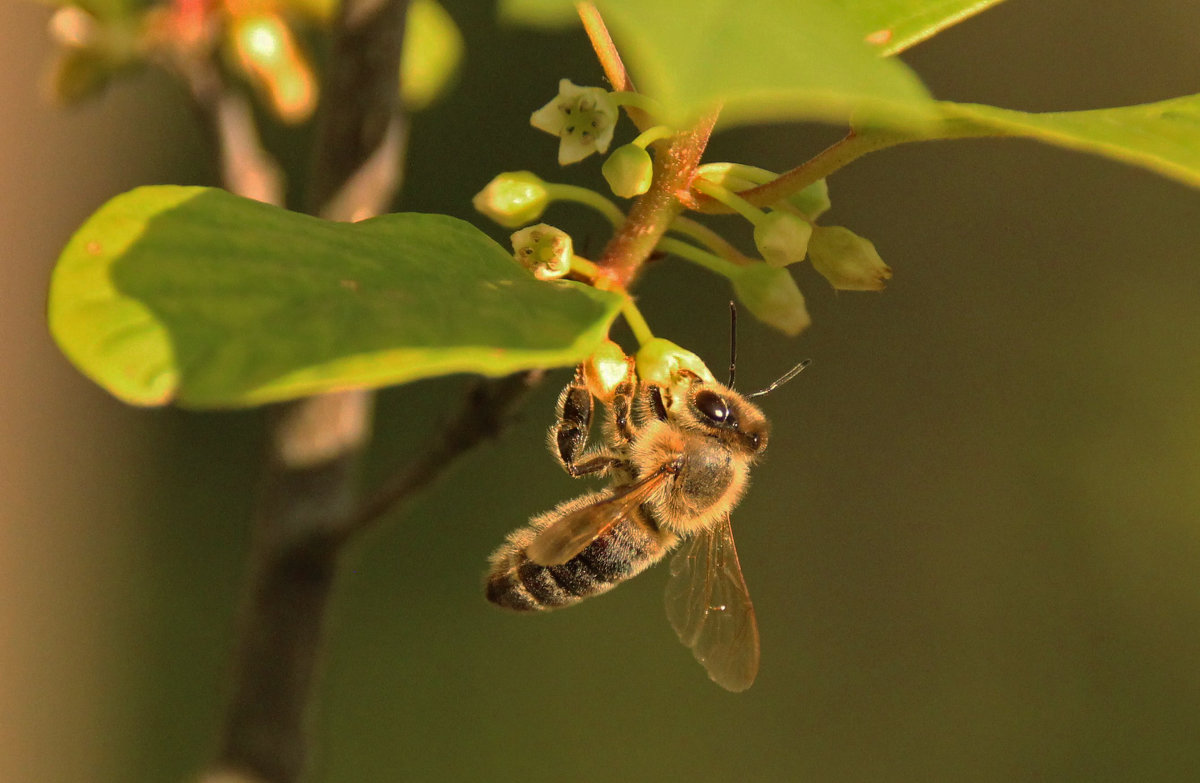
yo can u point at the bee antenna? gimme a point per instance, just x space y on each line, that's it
787 376
732 342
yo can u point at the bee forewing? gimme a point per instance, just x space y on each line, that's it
710 609
570 535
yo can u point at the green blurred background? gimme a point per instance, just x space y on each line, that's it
974 546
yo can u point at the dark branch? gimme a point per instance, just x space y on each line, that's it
487 408
362 128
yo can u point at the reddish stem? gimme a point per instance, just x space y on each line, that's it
651 215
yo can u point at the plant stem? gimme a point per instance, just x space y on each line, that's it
729 199
700 257
611 212
652 135
848 149
316 444
637 322
653 212
711 239
602 43
487 407
610 60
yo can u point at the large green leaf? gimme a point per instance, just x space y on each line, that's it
1163 136
764 60
890 25
196 295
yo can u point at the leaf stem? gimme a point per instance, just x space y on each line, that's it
610 59
602 43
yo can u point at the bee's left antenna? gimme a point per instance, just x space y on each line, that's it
732 342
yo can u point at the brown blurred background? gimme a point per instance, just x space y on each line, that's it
974 548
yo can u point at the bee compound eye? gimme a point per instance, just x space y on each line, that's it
712 406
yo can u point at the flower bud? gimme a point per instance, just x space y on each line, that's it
583 118
772 296
606 369
782 238
513 198
663 363
544 250
629 171
846 260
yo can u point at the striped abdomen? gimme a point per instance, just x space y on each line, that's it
625 550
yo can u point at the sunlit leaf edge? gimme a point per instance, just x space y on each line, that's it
85 309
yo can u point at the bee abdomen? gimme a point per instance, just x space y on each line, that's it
516 582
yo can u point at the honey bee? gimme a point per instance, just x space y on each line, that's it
678 459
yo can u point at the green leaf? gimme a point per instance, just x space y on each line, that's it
1163 137
894 25
196 295
766 60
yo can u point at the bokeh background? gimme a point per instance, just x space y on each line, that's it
974 547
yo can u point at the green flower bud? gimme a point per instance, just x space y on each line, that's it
605 369
782 238
663 363
772 296
513 198
629 171
544 250
846 260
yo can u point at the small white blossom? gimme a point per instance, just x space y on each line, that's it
583 118
544 250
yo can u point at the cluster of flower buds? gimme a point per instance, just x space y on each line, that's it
785 233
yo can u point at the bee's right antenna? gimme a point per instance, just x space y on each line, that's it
787 376
732 341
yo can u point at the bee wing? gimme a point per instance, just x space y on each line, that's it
569 535
710 609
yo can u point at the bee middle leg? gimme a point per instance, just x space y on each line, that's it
620 409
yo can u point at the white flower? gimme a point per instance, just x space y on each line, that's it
544 250
583 118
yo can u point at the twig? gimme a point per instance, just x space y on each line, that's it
247 169
486 409
316 445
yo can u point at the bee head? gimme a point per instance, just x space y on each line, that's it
728 416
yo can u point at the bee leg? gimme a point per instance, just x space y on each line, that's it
569 434
601 462
621 409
